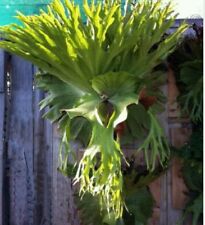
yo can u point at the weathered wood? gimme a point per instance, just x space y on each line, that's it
39 159
2 72
2 116
155 189
20 145
171 214
53 190
64 210
179 189
48 167
163 117
60 185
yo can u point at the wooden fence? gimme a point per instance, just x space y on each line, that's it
32 191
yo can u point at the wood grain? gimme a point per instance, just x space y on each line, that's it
2 117
179 189
20 145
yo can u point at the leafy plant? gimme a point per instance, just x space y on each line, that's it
97 69
138 200
138 210
192 156
187 62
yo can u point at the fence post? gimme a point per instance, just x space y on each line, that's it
43 163
20 143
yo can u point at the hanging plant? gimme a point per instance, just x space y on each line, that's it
95 71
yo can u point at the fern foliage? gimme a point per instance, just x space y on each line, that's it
95 70
187 62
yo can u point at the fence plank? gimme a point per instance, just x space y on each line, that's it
48 163
172 214
39 159
63 201
43 156
20 144
53 190
2 113
163 117
60 188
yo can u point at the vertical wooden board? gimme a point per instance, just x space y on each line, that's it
48 170
155 189
20 145
59 187
2 112
43 163
39 160
179 136
2 71
169 214
63 203
179 189
52 188
172 215
155 217
163 117
164 199
75 219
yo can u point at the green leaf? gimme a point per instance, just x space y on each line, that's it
138 121
140 204
195 208
113 83
192 168
187 61
81 130
191 74
86 107
60 95
89 209
155 145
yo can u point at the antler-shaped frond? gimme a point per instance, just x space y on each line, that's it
60 42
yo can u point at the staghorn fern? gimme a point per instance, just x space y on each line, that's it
102 63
